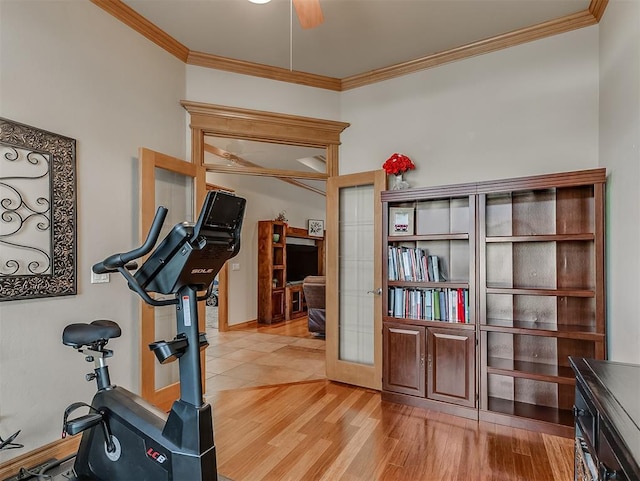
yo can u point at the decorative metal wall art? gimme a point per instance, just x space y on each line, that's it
37 213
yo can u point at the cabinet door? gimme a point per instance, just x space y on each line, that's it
451 366
403 367
277 305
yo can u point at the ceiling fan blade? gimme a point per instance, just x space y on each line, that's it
309 13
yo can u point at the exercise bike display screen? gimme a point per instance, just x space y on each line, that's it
194 254
223 213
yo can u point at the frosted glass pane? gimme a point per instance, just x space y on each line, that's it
175 192
355 258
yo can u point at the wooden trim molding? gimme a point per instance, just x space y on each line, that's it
130 17
243 166
262 172
511 39
263 126
55 450
597 8
234 122
264 71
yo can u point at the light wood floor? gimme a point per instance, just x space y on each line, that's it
263 355
319 430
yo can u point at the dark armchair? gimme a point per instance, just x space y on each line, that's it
314 293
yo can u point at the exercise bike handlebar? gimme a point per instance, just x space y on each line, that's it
116 261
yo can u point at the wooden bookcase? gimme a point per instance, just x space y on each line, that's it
279 300
532 259
427 362
272 275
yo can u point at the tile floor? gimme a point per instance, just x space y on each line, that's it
240 359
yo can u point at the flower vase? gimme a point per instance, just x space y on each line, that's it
399 183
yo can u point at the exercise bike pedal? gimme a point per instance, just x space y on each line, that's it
82 423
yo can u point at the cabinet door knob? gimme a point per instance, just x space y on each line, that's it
605 472
377 292
577 412
421 361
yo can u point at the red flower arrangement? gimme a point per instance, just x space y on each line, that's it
398 164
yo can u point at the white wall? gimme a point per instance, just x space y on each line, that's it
225 88
620 154
530 109
72 69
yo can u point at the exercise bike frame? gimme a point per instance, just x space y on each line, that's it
128 438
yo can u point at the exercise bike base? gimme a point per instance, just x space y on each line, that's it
150 447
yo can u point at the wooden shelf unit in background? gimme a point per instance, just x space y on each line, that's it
277 300
272 275
535 274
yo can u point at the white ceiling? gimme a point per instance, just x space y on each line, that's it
356 36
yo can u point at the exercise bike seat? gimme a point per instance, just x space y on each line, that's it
82 334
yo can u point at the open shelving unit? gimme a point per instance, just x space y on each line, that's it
530 251
272 275
541 293
278 299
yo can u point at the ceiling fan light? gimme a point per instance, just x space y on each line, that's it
259 2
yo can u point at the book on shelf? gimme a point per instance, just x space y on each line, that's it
413 264
441 304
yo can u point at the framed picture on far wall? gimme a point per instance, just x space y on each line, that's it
401 220
316 228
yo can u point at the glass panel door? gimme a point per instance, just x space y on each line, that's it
354 276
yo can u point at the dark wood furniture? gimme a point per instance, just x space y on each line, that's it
530 252
296 304
607 420
279 301
426 362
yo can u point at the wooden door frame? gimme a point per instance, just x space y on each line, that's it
163 397
257 125
223 279
262 126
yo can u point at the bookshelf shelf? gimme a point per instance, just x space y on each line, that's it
426 323
522 291
530 370
527 411
543 238
535 328
433 237
529 253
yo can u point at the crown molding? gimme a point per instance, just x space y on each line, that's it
265 71
130 17
597 8
510 39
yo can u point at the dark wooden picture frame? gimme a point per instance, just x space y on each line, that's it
29 270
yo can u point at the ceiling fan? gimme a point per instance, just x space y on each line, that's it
309 13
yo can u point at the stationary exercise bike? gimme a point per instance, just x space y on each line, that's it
124 438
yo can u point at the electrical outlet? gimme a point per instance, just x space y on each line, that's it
235 267
99 278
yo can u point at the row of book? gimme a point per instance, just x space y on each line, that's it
448 305
413 264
